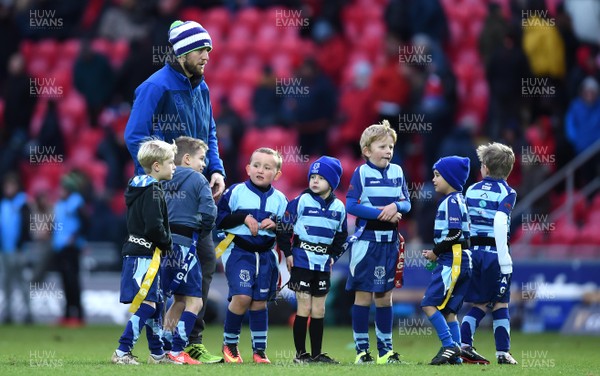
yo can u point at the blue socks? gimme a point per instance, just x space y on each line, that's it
154 332
470 323
501 329
455 332
258 329
360 327
134 327
383 329
441 327
232 328
183 330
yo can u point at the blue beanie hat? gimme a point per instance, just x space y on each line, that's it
454 169
188 36
329 168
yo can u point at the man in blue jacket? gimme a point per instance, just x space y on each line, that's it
175 102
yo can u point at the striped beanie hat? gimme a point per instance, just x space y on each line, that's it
188 36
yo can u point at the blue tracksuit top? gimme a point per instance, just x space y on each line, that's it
167 106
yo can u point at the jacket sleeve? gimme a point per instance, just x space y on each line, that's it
353 205
284 237
337 246
139 125
206 208
152 211
215 163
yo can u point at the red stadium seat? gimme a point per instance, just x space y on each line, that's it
27 49
249 75
219 17
69 49
241 99
250 17
48 49
561 232
118 53
102 46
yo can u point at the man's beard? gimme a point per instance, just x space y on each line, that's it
194 70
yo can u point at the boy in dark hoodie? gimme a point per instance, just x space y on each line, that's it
192 213
149 234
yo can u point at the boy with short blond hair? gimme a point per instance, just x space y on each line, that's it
149 234
378 195
490 203
192 213
249 212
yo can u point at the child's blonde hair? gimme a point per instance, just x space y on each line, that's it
154 150
188 145
498 158
269 151
377 132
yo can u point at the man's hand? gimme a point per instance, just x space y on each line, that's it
289 262
217 185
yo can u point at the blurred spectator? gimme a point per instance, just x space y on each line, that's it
230 130
461 141
582 122
266 104
9 38
495 28
505 74
56 19
389 85
333 52
166 15
127 19
141 62
18 109
356 109
586 66
113 151
538 159
543 44
565 27
41 225
14 231
50 139
310 107
93 78
406 18
582 125
67 241
585 15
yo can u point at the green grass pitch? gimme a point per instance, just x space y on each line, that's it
44 350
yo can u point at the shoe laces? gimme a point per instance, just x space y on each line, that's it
200 348
233 349
367 357
261 353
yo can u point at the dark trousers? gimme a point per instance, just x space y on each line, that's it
205 251
67 262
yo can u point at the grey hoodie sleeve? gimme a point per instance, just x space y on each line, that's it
207 210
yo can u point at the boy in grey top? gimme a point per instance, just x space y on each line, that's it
192 213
